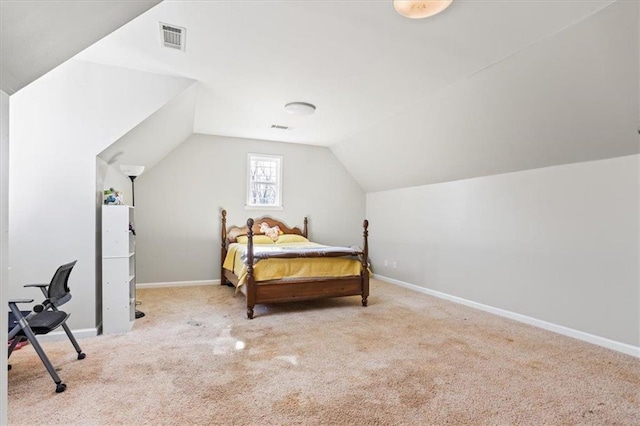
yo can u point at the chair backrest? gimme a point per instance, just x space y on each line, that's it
58 289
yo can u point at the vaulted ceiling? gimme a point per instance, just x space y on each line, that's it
483 88
37 36
358 62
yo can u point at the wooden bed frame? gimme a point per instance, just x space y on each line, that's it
276 291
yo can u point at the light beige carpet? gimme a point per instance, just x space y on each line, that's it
406 359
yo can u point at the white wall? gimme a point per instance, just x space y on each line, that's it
178 203
4 243
59 124
559 244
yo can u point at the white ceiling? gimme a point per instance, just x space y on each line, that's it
359 62
570 98
38 35
158 135
486 87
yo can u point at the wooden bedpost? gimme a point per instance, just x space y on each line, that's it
365 263
251 285
305 233
223 248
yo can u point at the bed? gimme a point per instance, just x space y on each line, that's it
289 269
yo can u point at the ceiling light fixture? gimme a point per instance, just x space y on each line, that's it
300 108
417 9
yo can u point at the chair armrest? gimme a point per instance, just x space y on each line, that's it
36 285
20 301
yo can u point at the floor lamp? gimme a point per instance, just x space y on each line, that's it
133 172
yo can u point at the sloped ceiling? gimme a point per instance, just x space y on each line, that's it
358 62
570 98
155 137
483 88
37 36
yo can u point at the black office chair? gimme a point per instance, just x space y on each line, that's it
43 319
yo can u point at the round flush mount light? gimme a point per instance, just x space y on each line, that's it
418 9
300 108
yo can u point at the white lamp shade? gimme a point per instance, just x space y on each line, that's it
131 170
417 9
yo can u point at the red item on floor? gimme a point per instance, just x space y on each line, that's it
19 345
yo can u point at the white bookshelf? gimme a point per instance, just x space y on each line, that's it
118 269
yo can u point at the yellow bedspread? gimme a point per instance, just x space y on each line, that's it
294 268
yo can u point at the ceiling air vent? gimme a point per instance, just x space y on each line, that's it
172 36
280 127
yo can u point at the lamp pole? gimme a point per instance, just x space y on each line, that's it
139 314
133 192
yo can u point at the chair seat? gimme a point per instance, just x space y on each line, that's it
41 323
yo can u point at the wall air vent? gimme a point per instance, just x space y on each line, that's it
280 127
172 36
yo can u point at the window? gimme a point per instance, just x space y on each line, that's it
264 181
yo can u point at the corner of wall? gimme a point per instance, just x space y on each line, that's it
4 243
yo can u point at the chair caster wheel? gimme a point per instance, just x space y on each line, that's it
82 355
60 387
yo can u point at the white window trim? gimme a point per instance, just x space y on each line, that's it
248 205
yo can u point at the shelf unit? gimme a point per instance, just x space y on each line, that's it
118 269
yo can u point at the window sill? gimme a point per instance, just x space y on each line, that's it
247 207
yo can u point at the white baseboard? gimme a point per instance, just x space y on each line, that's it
566 331
178 284
79 333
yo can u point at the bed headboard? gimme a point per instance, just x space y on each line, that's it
234 232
